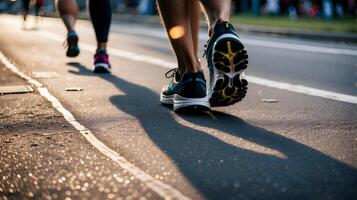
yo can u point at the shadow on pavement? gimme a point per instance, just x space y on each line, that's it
220 170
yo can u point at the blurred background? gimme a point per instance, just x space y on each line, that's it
330 15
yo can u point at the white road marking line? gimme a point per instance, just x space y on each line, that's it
253 42
162 189
256 80
261 43
304 90
12 67
299 47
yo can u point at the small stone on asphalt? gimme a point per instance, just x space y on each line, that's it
73 89
270 100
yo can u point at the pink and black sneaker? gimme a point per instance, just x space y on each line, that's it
101 62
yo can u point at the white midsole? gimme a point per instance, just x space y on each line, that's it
167 99
106 66
180 102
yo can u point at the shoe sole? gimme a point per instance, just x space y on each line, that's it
101 68
73 49
229 62
186 105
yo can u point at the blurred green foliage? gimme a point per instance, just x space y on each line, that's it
347 24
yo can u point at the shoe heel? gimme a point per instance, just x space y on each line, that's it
72 48
185 104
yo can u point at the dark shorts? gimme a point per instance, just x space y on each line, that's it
38 5
26 5
132 3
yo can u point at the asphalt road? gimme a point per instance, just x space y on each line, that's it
304 146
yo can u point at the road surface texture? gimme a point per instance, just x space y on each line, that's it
125 145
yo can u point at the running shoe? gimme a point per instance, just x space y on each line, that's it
72 44
101 62
227 61
186 93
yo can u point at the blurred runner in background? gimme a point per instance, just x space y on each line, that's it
39 10
26 10
101 14
132 6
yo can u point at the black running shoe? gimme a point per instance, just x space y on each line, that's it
185 93
227 61
72 44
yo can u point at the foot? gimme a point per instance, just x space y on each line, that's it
101 62
186 93
72 44
227 61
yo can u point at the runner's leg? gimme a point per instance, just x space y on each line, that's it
195 13
68 10
217 10
176 17
101 15
26 7
226 57
187 90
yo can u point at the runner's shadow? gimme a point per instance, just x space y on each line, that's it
215 153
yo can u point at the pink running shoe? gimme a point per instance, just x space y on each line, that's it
101 62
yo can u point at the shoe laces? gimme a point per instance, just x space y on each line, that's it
65 44
69 35
171 73
205 49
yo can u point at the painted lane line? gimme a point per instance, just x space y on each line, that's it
303 90
162 189
256 80
252 42
300 47
116 52
135 30
14 69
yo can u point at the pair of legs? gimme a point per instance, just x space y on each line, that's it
184 16
225 54
26 8
100 12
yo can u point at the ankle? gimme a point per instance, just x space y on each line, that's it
102 45
194 70
100 49
71 33
213 25
192 67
